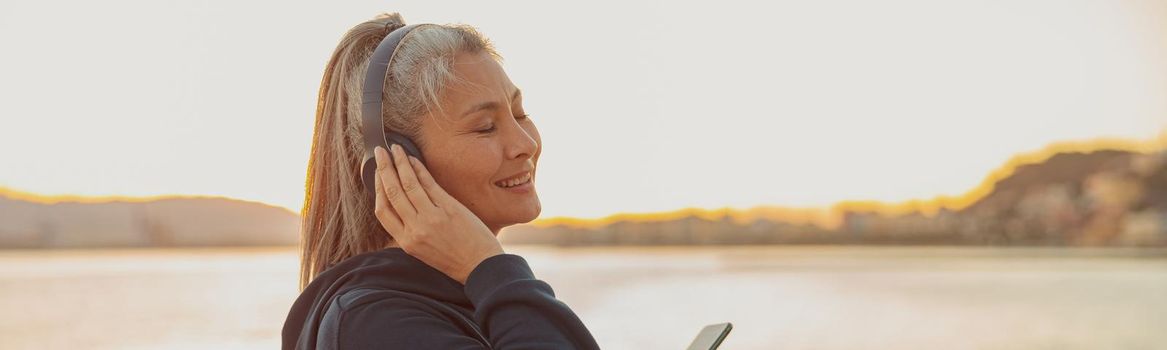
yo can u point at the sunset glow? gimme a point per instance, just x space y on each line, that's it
894 106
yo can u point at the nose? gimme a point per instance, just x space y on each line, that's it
521 144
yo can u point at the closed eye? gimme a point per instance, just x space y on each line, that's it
492 127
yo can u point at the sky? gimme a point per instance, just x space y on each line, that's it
642 106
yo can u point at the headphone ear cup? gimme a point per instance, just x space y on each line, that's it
406 144
368 171
369 166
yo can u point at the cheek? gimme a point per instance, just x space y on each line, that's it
467 173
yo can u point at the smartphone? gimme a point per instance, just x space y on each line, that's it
711 336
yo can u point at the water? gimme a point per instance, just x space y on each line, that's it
783 297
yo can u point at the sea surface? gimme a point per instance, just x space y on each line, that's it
777 297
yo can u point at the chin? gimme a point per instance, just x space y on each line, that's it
528 213
523 214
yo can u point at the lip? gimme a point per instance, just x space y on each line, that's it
532 171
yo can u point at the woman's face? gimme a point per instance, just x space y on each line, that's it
480 141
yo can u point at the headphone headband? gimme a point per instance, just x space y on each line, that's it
372 124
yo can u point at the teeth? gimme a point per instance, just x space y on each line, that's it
515 182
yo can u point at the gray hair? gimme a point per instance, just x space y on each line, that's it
422 68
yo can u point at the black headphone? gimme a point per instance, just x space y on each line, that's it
371 106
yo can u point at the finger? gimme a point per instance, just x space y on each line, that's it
383 211
392 186
437 194
409 182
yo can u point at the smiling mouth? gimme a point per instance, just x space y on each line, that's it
515 181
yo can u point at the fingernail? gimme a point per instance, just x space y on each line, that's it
396 149
414 161
379 153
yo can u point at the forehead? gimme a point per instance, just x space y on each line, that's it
477 78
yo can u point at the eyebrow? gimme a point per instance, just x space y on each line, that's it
491 104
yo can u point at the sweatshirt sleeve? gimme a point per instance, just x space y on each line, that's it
517 311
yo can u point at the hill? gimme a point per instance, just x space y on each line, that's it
1100 197
167 222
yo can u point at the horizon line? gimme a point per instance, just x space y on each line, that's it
825 216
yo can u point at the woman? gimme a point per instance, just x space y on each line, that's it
418 265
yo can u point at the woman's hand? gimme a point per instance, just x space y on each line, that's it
426 221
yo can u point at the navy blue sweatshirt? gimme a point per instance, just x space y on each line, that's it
389 299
